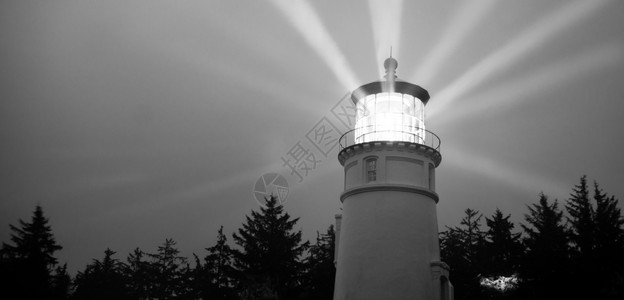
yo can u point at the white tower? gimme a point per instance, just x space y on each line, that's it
388 233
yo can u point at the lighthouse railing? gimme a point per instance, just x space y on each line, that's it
407 135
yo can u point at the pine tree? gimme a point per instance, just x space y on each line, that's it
595 234
269 264
28 263
502 246
217 283
474 238
461 249
321 269
196 281
61 283
608 221
137 271
609 246
166 272
580 219
501 255
102 280
543 270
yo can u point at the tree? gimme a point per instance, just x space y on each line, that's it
502 248
321 269
543 271
609 246
213 279
580 218
461 247
61 283
166 272
501 253
581 234
596 236
138 272
28 263
268 263
102 280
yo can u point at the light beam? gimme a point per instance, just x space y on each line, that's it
548 77
511 52
466 17
386 22
523 180
303 16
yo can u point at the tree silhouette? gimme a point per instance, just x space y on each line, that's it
581 233
502 248
102 280
608 247
28 263
321 269
213 279
501 253
596 239
461 249
61 283
138 272
166 272
544 268
268 263
580 219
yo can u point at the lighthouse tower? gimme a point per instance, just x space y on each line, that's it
388 232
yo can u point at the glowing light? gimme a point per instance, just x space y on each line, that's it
386 19
511 52
306 20
500 283
465 19
548 77
390 117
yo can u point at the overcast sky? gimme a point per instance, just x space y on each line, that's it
135 121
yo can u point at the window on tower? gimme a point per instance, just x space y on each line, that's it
431 177
371 170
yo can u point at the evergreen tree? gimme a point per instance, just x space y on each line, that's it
215 280
502 248
501 253
596 236
61 283
27 264
580 218
137 271
543 271
608 220
461 249
268 262
609 246
196 281
321 269
474 238
166 272
102 280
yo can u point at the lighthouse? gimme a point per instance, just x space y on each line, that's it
387 243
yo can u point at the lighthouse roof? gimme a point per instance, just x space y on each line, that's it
390 86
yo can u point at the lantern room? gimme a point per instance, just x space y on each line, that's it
390 110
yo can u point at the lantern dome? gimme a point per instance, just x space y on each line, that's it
390 110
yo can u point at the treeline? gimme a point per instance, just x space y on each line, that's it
574 251
268 260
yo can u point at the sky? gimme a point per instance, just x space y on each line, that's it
131 122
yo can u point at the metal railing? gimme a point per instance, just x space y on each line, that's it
408 135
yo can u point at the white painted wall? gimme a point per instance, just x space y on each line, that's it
389 231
